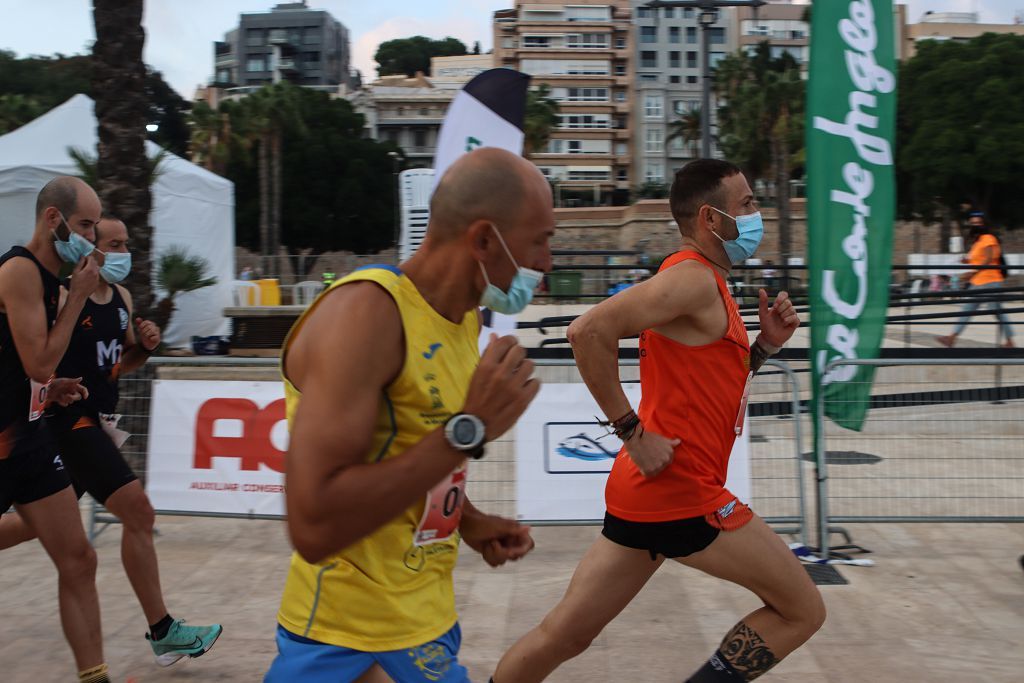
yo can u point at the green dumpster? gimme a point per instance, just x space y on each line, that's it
567 283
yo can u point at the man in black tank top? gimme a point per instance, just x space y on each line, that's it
33 338
103 347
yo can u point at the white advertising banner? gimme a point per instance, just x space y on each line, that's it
563 456
217 447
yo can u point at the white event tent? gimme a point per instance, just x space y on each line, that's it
192 209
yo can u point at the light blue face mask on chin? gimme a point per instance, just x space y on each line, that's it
75 248
520 291
751 230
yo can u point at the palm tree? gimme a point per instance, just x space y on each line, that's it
86 165
122 169
761 121
271 110
541 118
178 271
211 137
687 127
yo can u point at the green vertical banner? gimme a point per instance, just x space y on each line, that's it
851 117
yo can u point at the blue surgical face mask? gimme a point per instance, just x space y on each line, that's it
116 266
519 293
751 230
75 248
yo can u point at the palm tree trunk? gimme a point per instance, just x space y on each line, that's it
275 207
264 173
123 172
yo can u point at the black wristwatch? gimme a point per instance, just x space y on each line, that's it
466 433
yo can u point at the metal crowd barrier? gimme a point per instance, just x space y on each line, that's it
942 443
775 429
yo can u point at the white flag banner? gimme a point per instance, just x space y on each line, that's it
488 112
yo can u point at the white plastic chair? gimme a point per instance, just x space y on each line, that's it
304 292
246 293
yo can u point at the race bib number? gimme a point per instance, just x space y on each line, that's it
443 510
37 401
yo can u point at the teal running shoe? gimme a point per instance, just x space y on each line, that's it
184 641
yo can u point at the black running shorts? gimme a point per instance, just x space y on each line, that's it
32 471
95 464
677 538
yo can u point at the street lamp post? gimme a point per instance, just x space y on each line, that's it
707 18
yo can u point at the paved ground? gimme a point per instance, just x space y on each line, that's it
944 603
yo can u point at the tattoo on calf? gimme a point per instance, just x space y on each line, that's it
747 652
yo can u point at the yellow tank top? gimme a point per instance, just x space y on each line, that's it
393 588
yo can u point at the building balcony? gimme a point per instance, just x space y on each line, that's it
410 121
288 65
622 133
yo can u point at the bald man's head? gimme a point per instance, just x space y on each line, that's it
486 184
63 193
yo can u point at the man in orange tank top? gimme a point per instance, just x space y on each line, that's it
985 251
666 495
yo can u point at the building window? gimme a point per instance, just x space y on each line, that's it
673 34
673 79
255 65
654 142
419 138
691 79
687 13
644 12
648 34
254 37
654 172
691 35
620 43
677 143
621 174
670 12
555 146
587 95
536 41
653 106
714 58
620 96
649 59
224 75
648 77
717 35
574 146
620 149
620 69
691 59
311 36
673 60
311 59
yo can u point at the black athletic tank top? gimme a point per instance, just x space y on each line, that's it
94 353
15 388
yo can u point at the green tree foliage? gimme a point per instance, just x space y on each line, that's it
960 128
540 119
32 86
337 188
761 121
409 55
688 128
178 271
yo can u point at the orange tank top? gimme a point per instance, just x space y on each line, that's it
692 393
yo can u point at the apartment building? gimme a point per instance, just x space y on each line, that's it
669 84
409 111
953 26
290 42
583 50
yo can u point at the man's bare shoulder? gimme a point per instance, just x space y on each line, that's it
358 322
692 277
19 276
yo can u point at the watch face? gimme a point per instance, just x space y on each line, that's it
464 431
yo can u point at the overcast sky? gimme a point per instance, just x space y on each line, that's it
180 33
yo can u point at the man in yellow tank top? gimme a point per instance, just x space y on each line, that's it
388 399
